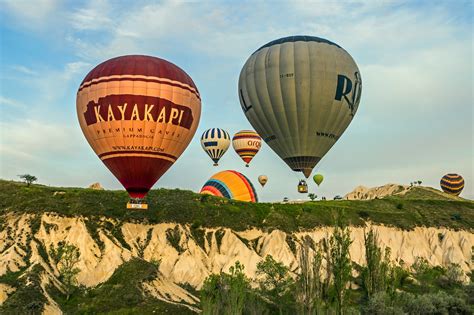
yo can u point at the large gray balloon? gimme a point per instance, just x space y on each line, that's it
300 93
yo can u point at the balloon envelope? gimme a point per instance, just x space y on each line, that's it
231 185
215 142
318 179
262 179
300 93
452 184
139 114
246 143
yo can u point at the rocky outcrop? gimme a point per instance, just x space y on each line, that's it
96 186
364 193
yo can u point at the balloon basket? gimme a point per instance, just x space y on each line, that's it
302 187
303 190
138 204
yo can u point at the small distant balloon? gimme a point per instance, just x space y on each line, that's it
318 179
262 179
215 142
452 184
246 143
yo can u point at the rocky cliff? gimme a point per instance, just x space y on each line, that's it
188 254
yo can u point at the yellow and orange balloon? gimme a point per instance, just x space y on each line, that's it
232 185
138 114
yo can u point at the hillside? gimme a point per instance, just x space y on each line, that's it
417 207
156 261
401 191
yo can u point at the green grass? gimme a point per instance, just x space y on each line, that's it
419 207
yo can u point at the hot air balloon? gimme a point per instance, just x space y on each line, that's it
262 179
246 143
452 184
138 114
215 142
231 185
300 93
318 179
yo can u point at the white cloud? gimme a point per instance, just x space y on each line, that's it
10 102
24 70
427 81
74 68
92 17
31 13
37 138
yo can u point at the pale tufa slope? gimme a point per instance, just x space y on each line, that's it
188 256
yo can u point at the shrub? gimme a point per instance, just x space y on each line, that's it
204 198
380 304
363 214
456 217
453 277
174 238
440 237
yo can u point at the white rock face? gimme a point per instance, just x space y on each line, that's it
96 186
364 193
188 258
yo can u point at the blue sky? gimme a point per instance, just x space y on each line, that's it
415 119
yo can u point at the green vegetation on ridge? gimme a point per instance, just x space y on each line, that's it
186 207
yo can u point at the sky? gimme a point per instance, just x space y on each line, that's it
414 122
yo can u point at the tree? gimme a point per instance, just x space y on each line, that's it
341 263
29 179
419 182
312 196
225 293
66 257
310 287
275 283
376 272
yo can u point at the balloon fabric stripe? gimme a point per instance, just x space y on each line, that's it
157 80
249 185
